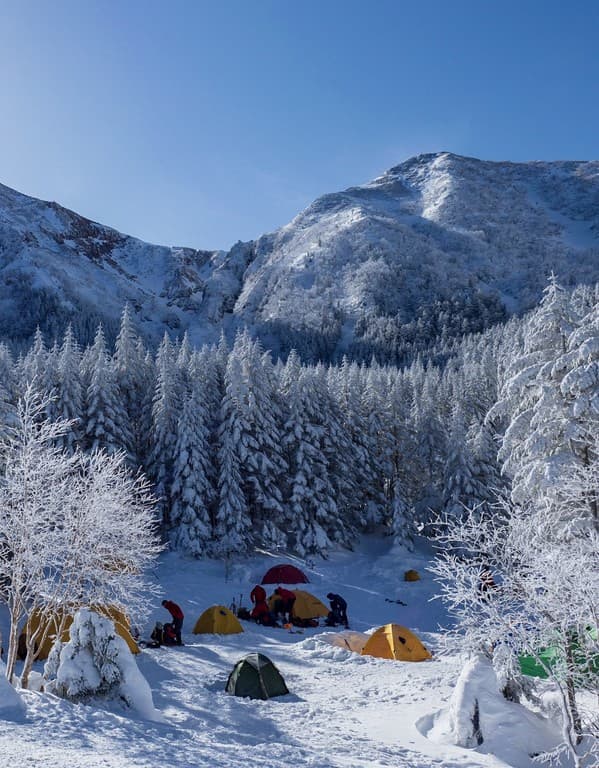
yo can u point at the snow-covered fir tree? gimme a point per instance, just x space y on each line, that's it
68 402
232 523
192 491
165 415
105 423
313 518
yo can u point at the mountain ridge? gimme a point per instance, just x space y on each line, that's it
438 245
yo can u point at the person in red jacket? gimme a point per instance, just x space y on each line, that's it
178 616
258 594
284 603
260 612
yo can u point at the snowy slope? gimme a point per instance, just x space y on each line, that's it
58 267
438 237
343 710
435 228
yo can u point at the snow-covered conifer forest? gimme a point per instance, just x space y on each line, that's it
244 451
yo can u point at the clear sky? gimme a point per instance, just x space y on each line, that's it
188 122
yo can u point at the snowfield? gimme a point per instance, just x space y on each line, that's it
343 709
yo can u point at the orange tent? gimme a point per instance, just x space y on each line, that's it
394 642
46 625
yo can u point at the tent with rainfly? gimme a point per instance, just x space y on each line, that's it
48 626
306 606
392 641
256 677
217 620
284 574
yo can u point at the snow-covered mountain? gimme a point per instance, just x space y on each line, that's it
57 267
437 246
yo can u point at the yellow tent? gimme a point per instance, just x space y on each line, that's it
411 575
395 642
45 627
307 606
351 641
217 620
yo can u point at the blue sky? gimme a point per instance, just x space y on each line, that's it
201 123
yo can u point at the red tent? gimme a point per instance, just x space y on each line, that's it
284 574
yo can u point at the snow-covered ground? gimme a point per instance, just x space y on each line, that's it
343 709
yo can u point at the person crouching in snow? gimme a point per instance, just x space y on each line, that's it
262 615
162 634
178 616
338 612
284 603
261 612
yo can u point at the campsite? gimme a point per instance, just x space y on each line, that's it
343 708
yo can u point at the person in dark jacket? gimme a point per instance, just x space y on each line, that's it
178 616
284 603
338 612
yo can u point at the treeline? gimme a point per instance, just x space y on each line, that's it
244 451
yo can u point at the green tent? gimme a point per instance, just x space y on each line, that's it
533 668
552 656
257 677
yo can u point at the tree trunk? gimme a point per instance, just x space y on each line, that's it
13 645
571 692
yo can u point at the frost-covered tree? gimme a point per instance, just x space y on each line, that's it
313 516
380 444
37 484
486 478
166 411
68 395
259 421
403 450
529 396
8 389
105 424
232 524
192 491
429 439
135 379
339 454
348 425
579 386
75 528
545 581
33 367
459 485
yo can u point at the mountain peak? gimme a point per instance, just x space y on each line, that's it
456 240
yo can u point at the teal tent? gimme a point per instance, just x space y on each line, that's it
552 656
257 677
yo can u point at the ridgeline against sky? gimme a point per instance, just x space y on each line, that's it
199 123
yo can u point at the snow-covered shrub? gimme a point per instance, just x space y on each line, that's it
479 716
96 664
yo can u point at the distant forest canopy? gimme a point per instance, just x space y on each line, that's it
244 451
387 338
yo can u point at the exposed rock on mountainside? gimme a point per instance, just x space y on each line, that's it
435 247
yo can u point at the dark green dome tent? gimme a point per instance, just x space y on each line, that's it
257 677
